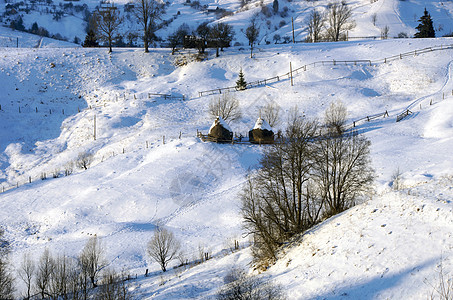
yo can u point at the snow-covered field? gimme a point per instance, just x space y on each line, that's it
149 168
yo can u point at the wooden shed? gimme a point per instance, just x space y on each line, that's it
261 133
220 131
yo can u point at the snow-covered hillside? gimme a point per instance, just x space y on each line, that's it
149 168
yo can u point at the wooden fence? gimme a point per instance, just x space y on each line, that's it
334 62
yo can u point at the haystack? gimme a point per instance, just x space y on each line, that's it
262 133
220 131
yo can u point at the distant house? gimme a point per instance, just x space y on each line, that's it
213 8
220 131
261 133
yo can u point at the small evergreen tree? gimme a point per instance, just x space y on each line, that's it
241 84
425 28
90 40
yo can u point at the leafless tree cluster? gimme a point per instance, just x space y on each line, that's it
225 106
64 277
312 173
240 286
6 277
331 25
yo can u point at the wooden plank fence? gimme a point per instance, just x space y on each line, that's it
334 62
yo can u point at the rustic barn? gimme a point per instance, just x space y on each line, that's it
220 131
262 133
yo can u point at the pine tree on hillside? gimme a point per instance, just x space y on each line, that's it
425 28
241 84
90 40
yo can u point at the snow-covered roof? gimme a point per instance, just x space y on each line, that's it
222 122
262 124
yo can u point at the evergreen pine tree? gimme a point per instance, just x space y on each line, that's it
425 28
241 84
90 40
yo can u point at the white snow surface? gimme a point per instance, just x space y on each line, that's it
149 169
262 124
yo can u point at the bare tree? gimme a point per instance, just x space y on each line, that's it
385 32
84 160
43 273
335 118
271 113
315 25
225 106
252 32
108 21
92 259
374 19
26 272
163 247
340 20
6 277
147 13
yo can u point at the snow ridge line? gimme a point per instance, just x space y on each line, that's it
333 62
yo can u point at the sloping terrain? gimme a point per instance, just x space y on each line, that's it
149 168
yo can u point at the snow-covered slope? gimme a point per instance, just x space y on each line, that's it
149 169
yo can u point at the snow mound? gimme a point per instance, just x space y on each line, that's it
262 124
221 121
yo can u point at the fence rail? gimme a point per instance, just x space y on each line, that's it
334 62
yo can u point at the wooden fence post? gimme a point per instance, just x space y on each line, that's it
291 73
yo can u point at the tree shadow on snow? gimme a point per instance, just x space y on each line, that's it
376 287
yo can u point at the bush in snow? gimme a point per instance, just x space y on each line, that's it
238 285
84 160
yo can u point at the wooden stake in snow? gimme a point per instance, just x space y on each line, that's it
94 127
292 23
291 73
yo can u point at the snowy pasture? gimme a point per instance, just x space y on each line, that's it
149 169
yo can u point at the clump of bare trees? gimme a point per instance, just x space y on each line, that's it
163 247
331 25
225 106
316 171
239 285
64 277
6 277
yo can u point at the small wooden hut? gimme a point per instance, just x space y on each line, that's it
220 131
262 133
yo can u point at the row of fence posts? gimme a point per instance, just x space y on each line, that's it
290 73
43 175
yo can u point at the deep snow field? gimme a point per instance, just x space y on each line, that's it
149 168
